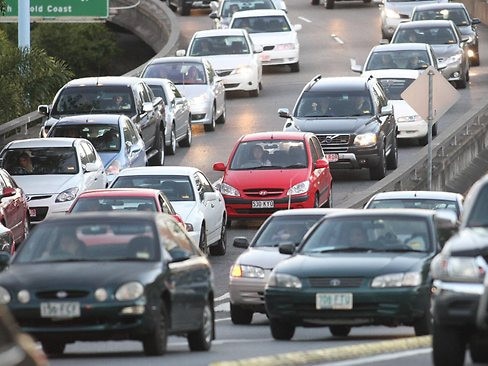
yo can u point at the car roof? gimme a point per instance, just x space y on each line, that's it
111 119
170 59
426 24
393 73
220 32
118 192
417 194
43 142
307 211
104 80
259 13
334 83
159 170
384 212
440 6
399 47
277 135
105 217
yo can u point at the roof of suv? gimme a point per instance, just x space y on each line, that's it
275 135
104 80
345 83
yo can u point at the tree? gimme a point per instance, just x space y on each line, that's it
3 7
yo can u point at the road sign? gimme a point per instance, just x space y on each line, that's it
61 8
444 95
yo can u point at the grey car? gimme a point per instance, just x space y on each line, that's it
458 13
449 45
177 114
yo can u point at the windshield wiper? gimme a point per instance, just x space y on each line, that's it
402 250
345 249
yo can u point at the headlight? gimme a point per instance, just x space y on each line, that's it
4 296
408 279
464 269
240 270
299 188
454 59
392 14
285 46
283 280
129 291
365 139
67 195
412 118
228 190
243 70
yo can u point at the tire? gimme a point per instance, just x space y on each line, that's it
340 330
281 330
434 129
201 339
254 93
378 172
315 2
240 315
53 348
202 242
423 326
461 84
328 204
316 201
424 140
156 342
211 126
158 158
228 223
478 352
171 148
448 346
186 142
392 158
222 117
295 67
221 247
329 4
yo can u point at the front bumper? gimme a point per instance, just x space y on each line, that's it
355 158
248 292
453 72
39 209
411 130
286 57
239 82
201 115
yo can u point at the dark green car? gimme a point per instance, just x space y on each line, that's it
111 276
357 268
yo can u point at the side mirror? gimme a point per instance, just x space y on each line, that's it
90 167
210 196
220 167
384 41
43 109
464 39
213 15
321 164
284 113
475 21
180 53
258 48
287 248
355 66
386 110
447 224
241 242
297 27
8 192
147 107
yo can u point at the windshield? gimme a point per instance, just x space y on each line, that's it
427 203
433 35
175 187
458 16
398 59
270 154
219 45
382 234
90 241
178 72
478 215
395 87
94 99
334 104
114 204
231 7
40 161
263 24
104 137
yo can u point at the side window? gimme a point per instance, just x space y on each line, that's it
83 154
91 156
175 90
379 97
210 72
315 149
130 134
6 181
2 183
145 93
206 186
164 206
175 240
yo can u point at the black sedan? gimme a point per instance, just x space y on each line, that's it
364 267
111 276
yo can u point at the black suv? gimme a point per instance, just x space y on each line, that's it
460 296
353 120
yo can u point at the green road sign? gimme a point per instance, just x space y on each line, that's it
61 8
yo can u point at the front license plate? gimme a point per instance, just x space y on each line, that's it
60 309
32 212
340 301
332 157
262 204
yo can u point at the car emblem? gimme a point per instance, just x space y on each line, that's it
335 282
328 139
61 294
263 193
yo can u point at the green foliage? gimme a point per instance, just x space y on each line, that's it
3 7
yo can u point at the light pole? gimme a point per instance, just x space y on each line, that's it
24 24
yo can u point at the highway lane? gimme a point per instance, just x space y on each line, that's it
328 40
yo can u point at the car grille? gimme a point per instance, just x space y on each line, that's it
223 72
263 192
335 282
230 86
333 140
67 294
41 213
33 198
404 16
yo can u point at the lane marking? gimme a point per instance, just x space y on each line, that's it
222 320
380 358
223 297
305 19
222 307
337 39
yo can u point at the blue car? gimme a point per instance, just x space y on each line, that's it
114 136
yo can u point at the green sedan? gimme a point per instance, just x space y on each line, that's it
357 268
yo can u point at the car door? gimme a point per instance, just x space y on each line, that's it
256 57
211 208
180 107
91 179
11 208
147 120
134 149
217 85
319 176
388 126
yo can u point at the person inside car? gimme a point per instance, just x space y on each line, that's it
24 165
258 156
192 76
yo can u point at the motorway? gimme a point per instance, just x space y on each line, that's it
329 38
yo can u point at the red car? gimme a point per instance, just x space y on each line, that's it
270 171
14 209
124 199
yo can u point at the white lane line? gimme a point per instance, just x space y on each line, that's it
222 320
379 358
337 39
305 19
223 307
223 297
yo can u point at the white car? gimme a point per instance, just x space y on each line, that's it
410 124
59 169
193 197
196 79
272 30
233 56
177 114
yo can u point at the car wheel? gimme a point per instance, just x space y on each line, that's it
222 117
201 339
340 330
423 326
221 247
316 201
158 158
171 148
378 171
478 352
315 2
239 315
448 346
434 129
228 223
211 126
156 342
53 348
392 159
295 67
424 140
329 4
281 330
461 84
254 93
186 142
202 243
328 204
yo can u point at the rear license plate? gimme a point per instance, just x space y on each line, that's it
32 212
60 309
340 301
332 157
262 204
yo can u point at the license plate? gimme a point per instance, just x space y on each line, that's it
32 212
340 301
332 157
262 204
60 309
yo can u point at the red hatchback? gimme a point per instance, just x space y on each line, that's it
270 171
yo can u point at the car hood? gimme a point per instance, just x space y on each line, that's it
284 178
265 39
332 125
402 108
469 242
46 184
445 50
264 257
225 62
352 264
75 274
184 208
193 91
